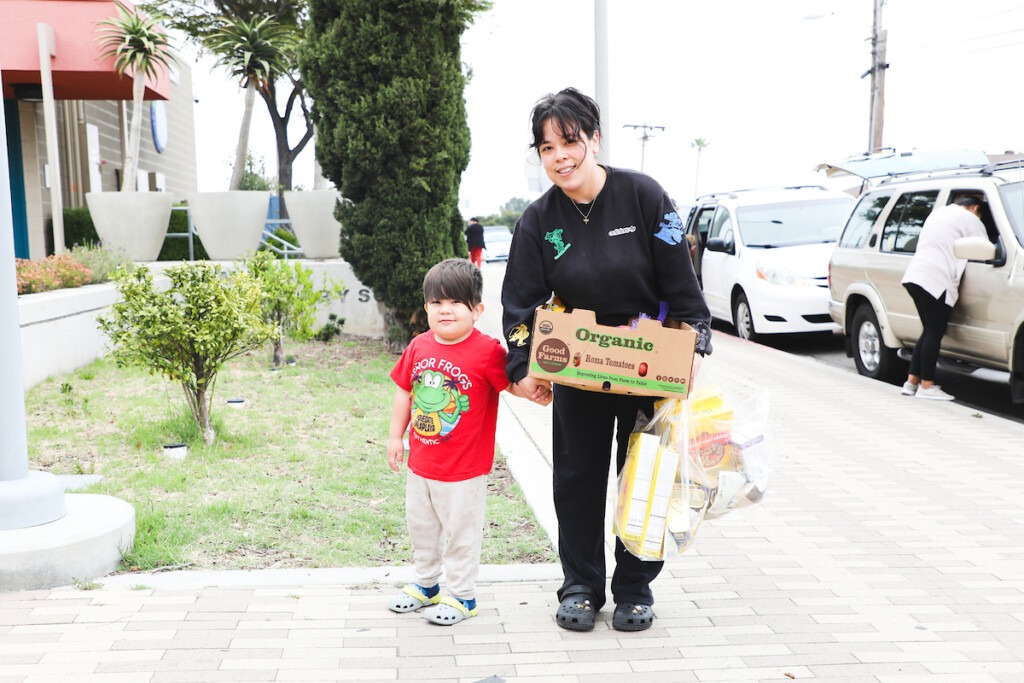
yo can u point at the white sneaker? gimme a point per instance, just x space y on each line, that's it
934 393
909 389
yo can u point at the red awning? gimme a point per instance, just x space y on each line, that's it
79 70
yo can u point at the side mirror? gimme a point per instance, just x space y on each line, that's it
974 249
720 245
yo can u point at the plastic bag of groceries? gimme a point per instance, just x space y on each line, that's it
647 479
724 458
728 459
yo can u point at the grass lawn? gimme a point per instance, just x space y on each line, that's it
298 476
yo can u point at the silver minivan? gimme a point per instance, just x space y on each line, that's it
985 337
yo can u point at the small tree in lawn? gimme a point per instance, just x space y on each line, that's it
138 44
290 297
189 331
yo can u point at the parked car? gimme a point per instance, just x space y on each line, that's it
497 240
985 337
761 256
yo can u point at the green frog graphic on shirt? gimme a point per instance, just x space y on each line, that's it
437 404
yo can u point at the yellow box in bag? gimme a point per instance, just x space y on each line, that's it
711 421
645 489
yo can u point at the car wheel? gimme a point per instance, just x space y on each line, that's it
873 358
743 319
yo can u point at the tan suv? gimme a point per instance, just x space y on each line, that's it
986 332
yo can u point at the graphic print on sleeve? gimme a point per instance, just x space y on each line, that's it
437 404
670 230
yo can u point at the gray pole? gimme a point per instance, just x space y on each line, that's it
26 498
878 67
601 95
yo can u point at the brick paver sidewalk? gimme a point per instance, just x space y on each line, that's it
890 548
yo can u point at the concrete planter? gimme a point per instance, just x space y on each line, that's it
59 333
312 217
133 221
230 224
58 329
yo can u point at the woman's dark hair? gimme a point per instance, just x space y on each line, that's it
576 114
456 279
967 200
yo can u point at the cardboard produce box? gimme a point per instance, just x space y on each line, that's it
650 360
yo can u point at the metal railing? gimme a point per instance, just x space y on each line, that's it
269 239
277 245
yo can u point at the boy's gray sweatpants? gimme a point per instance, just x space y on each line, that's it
446 521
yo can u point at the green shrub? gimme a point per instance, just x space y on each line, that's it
290 297
189 331
101 261
78 228
330 329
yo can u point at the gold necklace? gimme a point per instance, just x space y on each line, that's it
586 216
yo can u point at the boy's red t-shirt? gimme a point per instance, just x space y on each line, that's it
454 407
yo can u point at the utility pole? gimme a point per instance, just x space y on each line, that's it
877 72
644 137
601 93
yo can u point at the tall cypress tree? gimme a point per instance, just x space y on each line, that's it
387 83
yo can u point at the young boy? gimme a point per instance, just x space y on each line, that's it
448 381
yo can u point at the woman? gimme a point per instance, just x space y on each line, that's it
933 281
607 240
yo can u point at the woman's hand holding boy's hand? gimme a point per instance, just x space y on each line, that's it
537 390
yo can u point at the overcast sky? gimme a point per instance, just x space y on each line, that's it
774 88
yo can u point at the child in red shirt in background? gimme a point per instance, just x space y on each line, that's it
448 381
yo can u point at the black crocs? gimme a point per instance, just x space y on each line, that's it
576 611
630 616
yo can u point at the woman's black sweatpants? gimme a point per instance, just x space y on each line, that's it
586 424
934 314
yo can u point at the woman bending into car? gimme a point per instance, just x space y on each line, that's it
933 282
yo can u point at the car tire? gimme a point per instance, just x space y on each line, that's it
873 358
743 318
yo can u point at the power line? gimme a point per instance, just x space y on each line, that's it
946 43
947 55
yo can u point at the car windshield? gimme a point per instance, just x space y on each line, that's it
1013 201
785 225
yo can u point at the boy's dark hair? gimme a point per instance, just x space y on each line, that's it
574 114
454 278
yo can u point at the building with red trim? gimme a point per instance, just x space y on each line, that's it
92 105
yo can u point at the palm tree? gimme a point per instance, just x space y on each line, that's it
698 144
256 52
138 44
